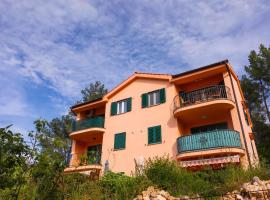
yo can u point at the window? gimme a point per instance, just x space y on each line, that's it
153 98
120 141
154 135
211 127
120 107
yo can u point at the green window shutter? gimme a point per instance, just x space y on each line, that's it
113 108
145 100
157 134
151 135
120 141
129 104
162 95
154 134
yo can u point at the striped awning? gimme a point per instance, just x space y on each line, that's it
210 161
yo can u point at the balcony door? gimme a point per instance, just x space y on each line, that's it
94 154
210 127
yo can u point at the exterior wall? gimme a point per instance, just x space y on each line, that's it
98 111
211 81
136 123
237 122
223 118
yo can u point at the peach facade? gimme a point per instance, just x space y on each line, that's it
203 120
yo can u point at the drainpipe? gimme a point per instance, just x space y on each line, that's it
238 112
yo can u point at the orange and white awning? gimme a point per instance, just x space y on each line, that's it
210 161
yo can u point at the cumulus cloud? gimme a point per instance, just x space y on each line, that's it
64 45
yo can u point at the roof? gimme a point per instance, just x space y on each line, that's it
201 68
84 103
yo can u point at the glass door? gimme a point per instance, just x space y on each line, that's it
94 154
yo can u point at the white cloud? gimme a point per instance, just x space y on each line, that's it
67 44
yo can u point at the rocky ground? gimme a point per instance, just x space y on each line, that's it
255 189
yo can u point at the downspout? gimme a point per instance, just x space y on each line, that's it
238 112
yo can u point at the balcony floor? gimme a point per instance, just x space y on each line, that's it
203 111
86 135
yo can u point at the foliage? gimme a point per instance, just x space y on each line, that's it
13 161
119 186
168 175
256 87
93 91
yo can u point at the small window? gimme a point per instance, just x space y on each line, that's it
120 107
153 98
120 141
154 135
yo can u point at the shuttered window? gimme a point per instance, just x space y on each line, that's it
120 141
153 98
122 106
154 134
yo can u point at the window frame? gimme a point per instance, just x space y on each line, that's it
154 129
121 106
115 139
156 98
153 98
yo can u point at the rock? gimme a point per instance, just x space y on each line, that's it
146 198
145 193
164 193
239 197
184 197
268 186
256 179
150 189
153 194
159 197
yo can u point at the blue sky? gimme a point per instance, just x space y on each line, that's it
50 50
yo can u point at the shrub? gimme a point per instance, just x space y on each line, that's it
119 186
167 174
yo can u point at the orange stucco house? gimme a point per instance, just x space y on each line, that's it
198 118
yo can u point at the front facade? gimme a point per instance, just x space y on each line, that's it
198 118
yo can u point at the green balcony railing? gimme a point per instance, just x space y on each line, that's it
209 140
95 122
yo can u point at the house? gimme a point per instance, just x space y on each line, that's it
198 118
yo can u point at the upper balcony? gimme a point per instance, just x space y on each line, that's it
217 142
82 128
203 102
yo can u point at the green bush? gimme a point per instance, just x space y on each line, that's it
120 186
168 175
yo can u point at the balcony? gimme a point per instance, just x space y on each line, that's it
87 164
203 103
219 142
82 128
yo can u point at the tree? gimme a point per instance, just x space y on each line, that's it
256 84
53 134
259 74
14 154
93 91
